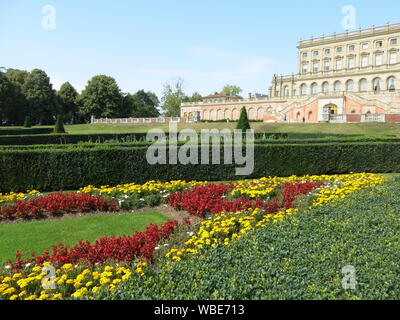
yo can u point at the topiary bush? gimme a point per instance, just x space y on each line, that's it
59 127
28 122
243 123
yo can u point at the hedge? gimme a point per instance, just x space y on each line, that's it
68 169
300 258
100 138
24 131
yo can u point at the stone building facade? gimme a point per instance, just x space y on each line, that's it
349 77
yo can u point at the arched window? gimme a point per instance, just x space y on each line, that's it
350 86
303 89
286 91
298 116
353 111
338 86
325 87
363 85
310 116
377 85
391 84
314 88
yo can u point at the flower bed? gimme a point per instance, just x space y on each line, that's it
235 209
56 204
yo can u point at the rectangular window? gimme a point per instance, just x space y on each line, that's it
315 66
316 53
327 51
393 42
364 61
304 67
393 58
339 64
339 49
327 65
365 46
378 60
352 48
379 44
305 55
352 63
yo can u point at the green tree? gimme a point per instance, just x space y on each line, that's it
173 96
144 105
14 102
67 100
40 96
27 122
196 97
101 98
59 127
231 90
243 123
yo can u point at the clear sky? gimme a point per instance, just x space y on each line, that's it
143 44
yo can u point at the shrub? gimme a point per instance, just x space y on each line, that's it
243 123
27 122
59 127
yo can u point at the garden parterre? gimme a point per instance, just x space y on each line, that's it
270 201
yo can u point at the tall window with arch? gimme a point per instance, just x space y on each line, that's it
314 88
363 85
338 86
303 89
350 86
325 87
377 85
391 84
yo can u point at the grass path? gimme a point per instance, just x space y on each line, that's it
41 235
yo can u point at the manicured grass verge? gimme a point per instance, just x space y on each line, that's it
300 258
37 236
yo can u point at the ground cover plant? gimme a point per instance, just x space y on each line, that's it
172 243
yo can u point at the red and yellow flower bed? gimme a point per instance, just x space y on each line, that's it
230 212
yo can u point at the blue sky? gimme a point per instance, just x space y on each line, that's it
143 44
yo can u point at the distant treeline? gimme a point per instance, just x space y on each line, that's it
31 94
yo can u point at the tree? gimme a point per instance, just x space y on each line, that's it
196 97
27 122
101 98
14 104
145 106
67 100
41 98
173 96
231 90
59 127
243 123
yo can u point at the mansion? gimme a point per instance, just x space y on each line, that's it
349 77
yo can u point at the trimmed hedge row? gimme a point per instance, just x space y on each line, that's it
69 169
24 131
99 138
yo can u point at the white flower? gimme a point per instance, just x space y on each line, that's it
166 245
7 267
141 199
190 233
157 248
28 265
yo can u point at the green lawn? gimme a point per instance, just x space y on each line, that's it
38 236
299 258
297 130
